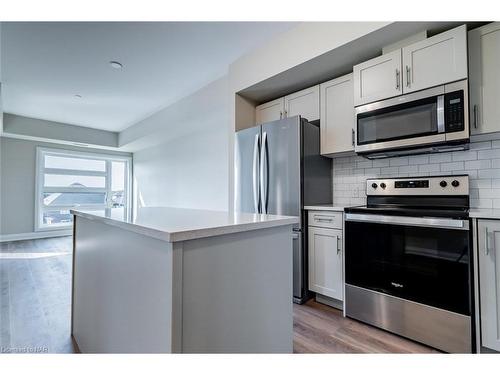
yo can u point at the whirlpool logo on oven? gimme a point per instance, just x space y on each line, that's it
397 285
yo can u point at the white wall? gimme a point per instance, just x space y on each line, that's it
184 152
17 182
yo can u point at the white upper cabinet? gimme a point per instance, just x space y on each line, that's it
304 103
378 78
489 282
270 111
430 62
484 78
337 115
436 60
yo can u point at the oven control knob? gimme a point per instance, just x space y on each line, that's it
382 185
374 185
443 184
455 183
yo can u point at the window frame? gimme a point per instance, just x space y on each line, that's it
41 152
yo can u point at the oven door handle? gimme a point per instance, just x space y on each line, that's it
410 221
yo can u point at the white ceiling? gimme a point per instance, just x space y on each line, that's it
44 65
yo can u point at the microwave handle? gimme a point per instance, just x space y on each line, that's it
440 114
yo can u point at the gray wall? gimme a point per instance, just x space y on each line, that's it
184 159
50 130
17 182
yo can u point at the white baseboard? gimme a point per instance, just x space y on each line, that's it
35 235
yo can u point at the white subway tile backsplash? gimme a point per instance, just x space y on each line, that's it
478 164
495 163
481 184
489 193
396 162
381 163
419 159
464 155
455 166
372 172
408 169
429 168
494 153
489 173
389 170
364 163
481 203
440 158
480 145
481 163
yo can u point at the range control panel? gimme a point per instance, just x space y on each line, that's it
436 185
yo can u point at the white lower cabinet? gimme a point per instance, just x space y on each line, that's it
325 261
488 241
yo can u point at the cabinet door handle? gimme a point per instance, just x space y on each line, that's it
338 245
352 136
281 115
323 220
475 115
397 80
407 76
286 114
486 242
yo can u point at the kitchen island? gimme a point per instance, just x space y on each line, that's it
174 280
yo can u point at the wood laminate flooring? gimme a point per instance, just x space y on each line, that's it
318 328
35 296
35 309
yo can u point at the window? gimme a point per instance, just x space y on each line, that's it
69 179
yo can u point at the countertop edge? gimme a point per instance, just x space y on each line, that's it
484 213
192 234
324 208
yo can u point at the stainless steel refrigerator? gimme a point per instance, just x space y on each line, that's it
279 170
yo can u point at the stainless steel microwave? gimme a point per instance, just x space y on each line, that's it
436 119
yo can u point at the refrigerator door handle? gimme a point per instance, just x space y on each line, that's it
255 173
264 173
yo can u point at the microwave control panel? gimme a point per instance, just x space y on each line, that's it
454 111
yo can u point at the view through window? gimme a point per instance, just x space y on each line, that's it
69 179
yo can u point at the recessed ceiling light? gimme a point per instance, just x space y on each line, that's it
115 64
78 96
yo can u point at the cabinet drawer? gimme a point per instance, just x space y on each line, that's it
326 219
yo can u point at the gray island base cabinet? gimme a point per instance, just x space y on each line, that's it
182 281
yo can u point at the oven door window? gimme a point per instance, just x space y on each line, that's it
409 120
425 265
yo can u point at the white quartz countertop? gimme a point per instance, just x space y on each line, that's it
326 207
484 213
181 224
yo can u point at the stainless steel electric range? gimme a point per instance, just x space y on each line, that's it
408 264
